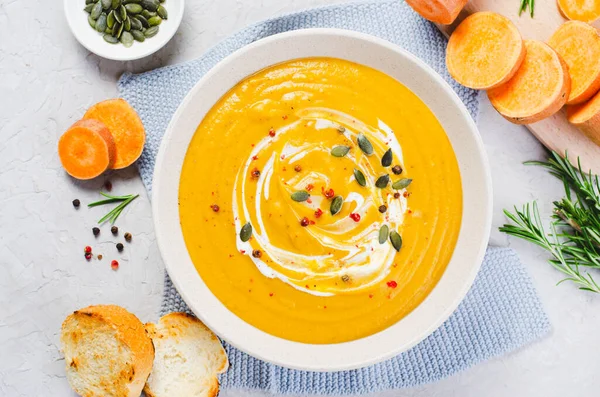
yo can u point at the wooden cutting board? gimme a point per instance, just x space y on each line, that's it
554 132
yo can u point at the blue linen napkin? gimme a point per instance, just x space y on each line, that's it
500 313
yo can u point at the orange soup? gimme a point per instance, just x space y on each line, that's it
320 200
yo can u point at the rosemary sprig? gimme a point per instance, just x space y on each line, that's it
115 212
574 241
527 4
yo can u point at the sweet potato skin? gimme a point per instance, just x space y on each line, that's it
586 117
125 126
74 149
578 43
438 11
524 116
484 67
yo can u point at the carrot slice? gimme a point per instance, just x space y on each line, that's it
484 51
439 11
125 126
580 10
586 116
87 149
579 45
539 89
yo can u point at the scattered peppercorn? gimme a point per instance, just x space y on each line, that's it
76 203
298 168
397 169
271 132
120 247
114 265
87 249
128 237
215 208
114 230
341 129
382 209
257 253
99 257
88 256
345 278
355 217
396 195
108 186
255 173
96 231
304 221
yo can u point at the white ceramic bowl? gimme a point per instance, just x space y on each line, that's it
93 41
477 198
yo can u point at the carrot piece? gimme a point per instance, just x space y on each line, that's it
539 89
438 11
87 149
125 126
484 51
579 45
586 116
580 10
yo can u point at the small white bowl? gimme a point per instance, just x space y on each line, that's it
470 153
77 19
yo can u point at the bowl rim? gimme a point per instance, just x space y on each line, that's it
428 316
159 42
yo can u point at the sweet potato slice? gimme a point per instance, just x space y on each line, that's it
579 45
586 116
87 149
580 10
438 11
484 51
539 89
125 126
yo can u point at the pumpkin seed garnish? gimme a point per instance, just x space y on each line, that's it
340 150
246 232
101 23
109 38
142 20
401 183
122 11
150 5
91 21
147 14
138 35
106 4
96 10
135 23
115 4
127 39
110 20
151 32
364 144
384 232
336 205
387 158
90 2
88 8
155 21
162 12
360 177
300 196
382 181
127 24
133 8
396 240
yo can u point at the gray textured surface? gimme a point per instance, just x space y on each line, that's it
47 81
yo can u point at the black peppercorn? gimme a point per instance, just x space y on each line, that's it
120 247
76 203
397 169
257 253
127 237
96 231
114 230
396 195
382 208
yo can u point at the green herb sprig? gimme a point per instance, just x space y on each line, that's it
574 241
115 212
527 4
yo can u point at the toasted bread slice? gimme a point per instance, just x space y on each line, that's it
107 352
188 358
